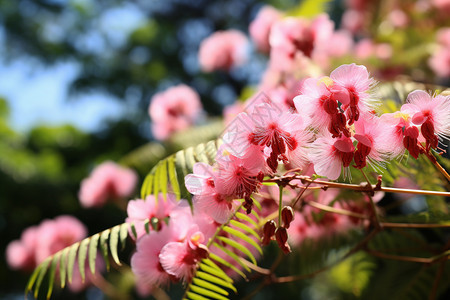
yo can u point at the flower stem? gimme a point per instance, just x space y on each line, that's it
280 204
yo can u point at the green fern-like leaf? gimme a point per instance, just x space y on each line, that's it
174 168
64 260
233 241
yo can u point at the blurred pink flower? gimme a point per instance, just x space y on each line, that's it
398 18
366 48
443 36
223 50
174 109
353 20
107 181
20 254
39 242
340 43
442 6
56 234
260 27
439 61
291 39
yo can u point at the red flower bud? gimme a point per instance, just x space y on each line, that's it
287 215
281 236
268 232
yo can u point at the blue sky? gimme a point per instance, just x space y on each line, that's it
38 94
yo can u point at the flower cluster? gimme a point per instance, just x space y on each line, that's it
333 127
175 244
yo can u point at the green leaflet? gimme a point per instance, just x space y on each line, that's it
82 254
210 281
104 247
113 243
242 236
62 267
51 279
174 168
71 260
214 279
64 260
93 252
200 282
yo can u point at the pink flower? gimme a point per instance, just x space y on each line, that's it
20 254
232 111
395 123
281 133
431 114
293 38
107 181
355 79
443 36
398 18
366 48
317 104
173 110
340 44
439 62
330 155
260 27
373 143
353 20
181 258
139 211
145 261
301 228
442 6
238 177
55 235
207 199
223 50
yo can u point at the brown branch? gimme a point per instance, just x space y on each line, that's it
424 260
413 225
436 281
352 251
362 188
336 210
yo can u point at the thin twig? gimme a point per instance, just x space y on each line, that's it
254 267
364 188
413 225
336 210
352 251
436 281
434 161
425 260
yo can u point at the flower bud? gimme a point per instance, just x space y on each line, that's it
268 232
281 236
287 215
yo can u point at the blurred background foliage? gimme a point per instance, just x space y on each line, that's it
129 50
